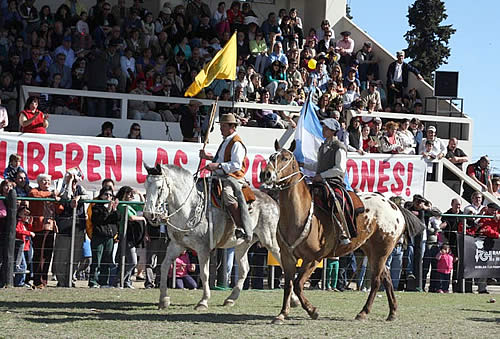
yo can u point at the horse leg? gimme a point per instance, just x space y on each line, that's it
204 260
173 251
275 251
378 268
289 268
391 297
304 274
240 254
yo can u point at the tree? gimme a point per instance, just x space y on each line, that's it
428 40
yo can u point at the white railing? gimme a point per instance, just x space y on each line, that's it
463 177
126 97
83 125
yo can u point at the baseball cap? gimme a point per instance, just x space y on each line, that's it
331 124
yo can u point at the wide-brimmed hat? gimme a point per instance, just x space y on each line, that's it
228 118
195 103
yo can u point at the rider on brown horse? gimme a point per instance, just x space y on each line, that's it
230 161
331 170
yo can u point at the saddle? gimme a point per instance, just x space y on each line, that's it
216 194
350 202
233 212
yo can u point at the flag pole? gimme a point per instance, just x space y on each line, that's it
210 122
232 81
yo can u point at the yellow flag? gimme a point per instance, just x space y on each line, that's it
222 66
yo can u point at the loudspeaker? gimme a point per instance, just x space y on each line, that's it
446 84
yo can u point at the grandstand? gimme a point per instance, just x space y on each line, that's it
440 112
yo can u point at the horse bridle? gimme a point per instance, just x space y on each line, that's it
276 184
193 220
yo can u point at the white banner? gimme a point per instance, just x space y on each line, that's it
122 160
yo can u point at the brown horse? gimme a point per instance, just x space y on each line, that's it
309 232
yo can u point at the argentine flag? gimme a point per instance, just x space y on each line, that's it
308 137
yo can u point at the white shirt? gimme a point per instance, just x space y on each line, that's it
398 73
4 117
438 147
127 63
238 153
409 142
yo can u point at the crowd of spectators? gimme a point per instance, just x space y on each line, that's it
115 48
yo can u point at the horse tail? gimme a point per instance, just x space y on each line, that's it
413 225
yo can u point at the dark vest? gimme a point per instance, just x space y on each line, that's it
327 154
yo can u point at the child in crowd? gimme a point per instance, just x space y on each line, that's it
23 228
182 268
82 27
444 266
14 166
429 157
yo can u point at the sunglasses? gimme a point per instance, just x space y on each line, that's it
107 195
136 129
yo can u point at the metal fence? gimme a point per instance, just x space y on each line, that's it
352 268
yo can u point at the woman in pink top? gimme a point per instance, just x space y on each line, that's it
444 267
182 268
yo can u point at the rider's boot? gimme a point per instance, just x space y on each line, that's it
344 237
240 232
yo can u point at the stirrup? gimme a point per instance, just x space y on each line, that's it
345 241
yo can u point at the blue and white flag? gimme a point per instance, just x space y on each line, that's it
308 137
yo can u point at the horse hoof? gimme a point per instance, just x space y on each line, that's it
201 307
278 321
229 302
314 314
391 317
361 316
294 302
164 303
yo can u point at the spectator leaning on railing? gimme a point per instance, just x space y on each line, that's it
457 156
479 172
31 119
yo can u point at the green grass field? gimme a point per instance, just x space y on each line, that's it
55 313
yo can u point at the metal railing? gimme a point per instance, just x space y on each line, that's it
463 177
11 202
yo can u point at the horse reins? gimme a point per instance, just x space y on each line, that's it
197 212
274 158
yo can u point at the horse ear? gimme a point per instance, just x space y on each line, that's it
153 170
148 169
292 146
277 146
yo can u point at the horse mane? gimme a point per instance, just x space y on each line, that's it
176 169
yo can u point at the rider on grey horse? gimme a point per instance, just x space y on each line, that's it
229 161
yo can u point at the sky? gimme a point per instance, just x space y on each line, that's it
475 54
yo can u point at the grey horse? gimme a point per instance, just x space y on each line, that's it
172 198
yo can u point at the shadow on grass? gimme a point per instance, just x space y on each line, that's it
485 320
483 311
60 317
100 305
